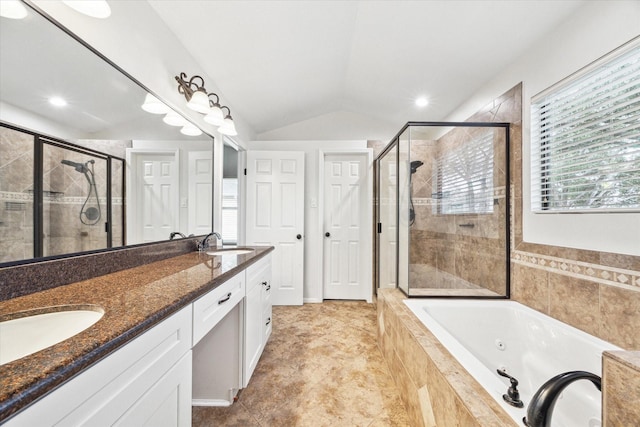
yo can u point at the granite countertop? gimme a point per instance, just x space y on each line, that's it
133 300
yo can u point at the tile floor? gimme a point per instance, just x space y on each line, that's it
321 367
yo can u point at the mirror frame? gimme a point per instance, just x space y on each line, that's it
100 56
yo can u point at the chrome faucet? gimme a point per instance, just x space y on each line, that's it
204 243
176 233
541 407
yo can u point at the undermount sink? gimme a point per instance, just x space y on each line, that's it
230 251
24 333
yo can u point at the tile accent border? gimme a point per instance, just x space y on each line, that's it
605 275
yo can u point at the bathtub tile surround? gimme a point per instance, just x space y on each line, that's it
435 388
321 367
621 396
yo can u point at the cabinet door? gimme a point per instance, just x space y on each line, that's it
253 331
267 320
167 403
102 394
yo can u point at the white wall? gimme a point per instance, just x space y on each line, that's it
339 125
596 29
313 233
138 41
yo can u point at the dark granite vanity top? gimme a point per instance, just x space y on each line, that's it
133 301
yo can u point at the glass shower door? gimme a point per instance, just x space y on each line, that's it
74 190
387 217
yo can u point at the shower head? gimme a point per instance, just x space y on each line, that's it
78 166
415 165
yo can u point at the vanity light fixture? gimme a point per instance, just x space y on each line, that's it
94 8
154 106
199 100
228 128
190 130
12 9
174 119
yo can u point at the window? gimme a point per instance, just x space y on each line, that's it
585 139
464 177
230 211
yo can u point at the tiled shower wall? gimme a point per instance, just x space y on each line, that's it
445 253
597 292
16 203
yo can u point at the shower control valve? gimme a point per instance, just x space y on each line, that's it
513 395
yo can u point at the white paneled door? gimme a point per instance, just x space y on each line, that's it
200 203
155 197
275 217
346 213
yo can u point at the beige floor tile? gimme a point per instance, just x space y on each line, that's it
321 367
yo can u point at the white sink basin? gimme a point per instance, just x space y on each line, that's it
230 251
25 335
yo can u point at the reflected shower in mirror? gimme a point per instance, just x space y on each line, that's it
81 163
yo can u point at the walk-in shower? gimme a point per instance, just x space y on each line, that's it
90 212
442 212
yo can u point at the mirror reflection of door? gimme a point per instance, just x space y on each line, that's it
153 196
230 194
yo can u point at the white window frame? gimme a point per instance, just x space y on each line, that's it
604 232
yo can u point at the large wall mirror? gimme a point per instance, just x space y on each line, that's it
82 166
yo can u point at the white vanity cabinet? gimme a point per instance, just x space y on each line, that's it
145 383
257 319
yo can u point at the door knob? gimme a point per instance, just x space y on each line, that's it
299 236
327 234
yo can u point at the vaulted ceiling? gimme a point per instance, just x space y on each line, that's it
283 62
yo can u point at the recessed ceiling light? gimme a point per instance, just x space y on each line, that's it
57 101
94 8
422 102
12 9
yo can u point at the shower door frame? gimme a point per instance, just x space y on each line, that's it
394 143
39 141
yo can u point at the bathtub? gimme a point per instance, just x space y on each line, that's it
485 335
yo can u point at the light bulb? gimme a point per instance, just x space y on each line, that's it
12 9
190 130
228 127
199 102
215 116
174 119
154 106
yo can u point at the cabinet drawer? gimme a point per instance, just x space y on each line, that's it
209 309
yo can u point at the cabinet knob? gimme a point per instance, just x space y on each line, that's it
299 236
327 234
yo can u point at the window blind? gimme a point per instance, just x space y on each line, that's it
585 140
464 177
